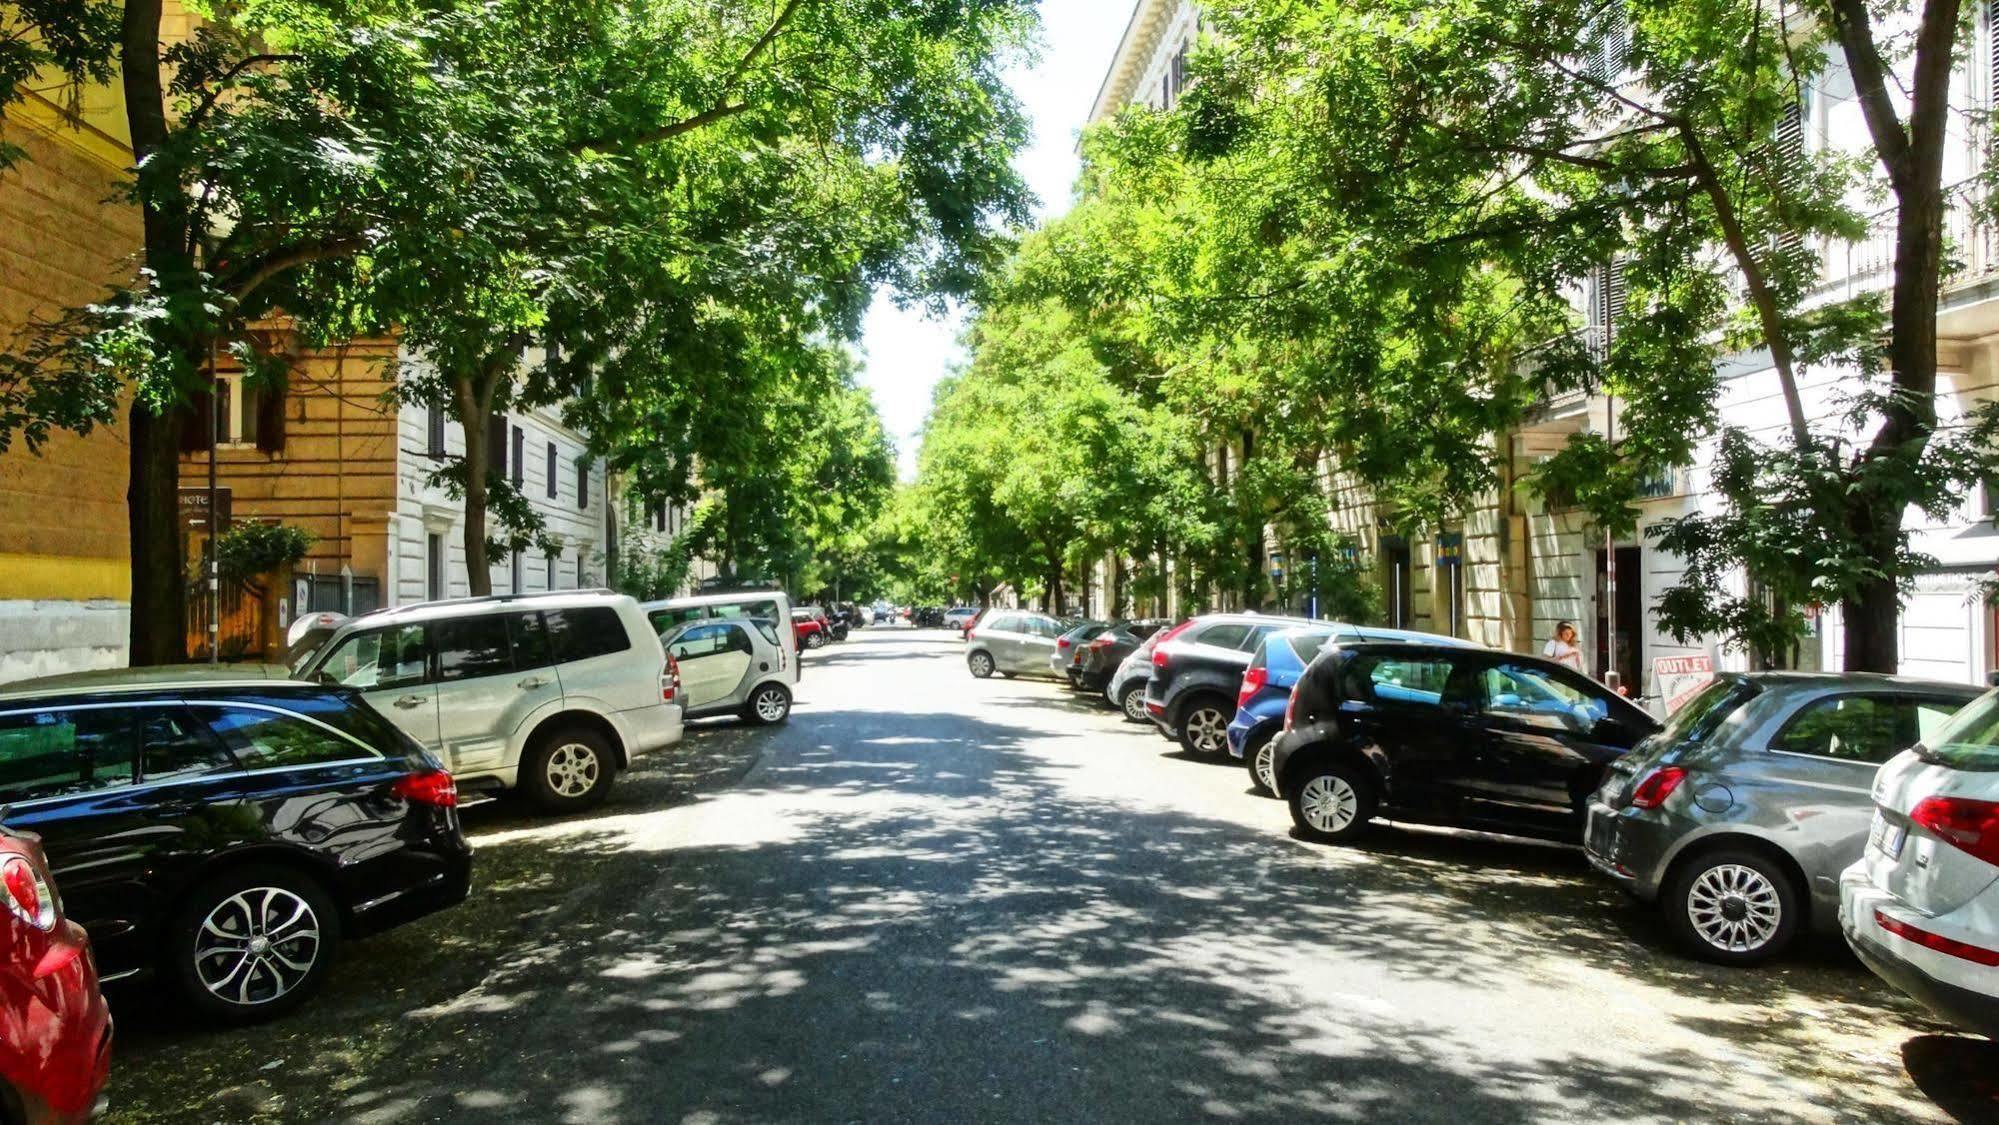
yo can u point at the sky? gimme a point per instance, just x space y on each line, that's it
905 352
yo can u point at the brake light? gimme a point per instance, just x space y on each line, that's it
669 680
1290 708
1976 954
1252 682
1970 826
1656 786
1102 642
28 894
1062 642
431 787
1158 645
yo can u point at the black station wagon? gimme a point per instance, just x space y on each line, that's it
222 832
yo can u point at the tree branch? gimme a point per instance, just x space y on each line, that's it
721 110
1852 25
225 79
289 259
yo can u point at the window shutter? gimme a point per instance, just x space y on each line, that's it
496 444
583 482
271 416
434 430
1790 159
517 462
554 472
1991 53
1616 290
196 432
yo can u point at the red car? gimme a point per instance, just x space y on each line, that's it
810 630
55 1031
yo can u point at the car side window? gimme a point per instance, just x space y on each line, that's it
1537 697
1850 728
591 631
738 640
665 621
471 647
1418 681
700 641
1254 639
47 754
272 739
1043 627
530 638
173 745
384 658
1225 635
1004 623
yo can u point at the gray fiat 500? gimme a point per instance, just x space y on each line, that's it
1738 818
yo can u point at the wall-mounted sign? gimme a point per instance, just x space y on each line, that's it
1450 548
1662 485
1678 678
194 509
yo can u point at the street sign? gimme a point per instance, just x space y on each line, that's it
194 508
1450 548
1678 678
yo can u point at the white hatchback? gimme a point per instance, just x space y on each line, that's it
731 666
1921 907
549 693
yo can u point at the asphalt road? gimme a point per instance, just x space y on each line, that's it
939 899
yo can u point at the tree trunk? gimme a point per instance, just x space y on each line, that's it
473 410
158 631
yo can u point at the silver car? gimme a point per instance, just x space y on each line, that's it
731 666
1739 817
1013 643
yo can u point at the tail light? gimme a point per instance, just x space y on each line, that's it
431 787
1656 786
1159 641
1105 641
669 680
1969 826
1976 954
28 894
1062 642
1290 708
1252 682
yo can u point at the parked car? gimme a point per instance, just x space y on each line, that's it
1921 907
831 625
770 606
807 630
1012 642
1126 691
1197 668
731 666
1436 734
1069 647
55 1031
961 617
1265 692
550 694
225 832
1739 817
1101 657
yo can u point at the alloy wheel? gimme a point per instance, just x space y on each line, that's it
1266 763
1207 730
771 705
1734 908
1329 804
1134 705
572 770
982 665
256 945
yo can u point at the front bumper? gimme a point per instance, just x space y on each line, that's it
1912 968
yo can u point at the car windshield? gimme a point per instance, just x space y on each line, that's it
1970 741
306 647
1705 712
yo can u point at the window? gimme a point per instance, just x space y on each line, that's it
1306 646
582 570
1004 623
1409 680
762 611
471 647
1255 638
1970 741
658 515
530 639
1225 635
706 640
434 430
1859 728
517 463
433 577
665 621
549 483
514 577
583 484
580 634
1537 697
236 407
385 658
496 443
64 753
272 739
172 745
548 571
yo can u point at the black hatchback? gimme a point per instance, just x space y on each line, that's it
1431 734
223 832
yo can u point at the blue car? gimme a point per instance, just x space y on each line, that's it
1274 671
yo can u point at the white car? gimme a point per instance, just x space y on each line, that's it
772 606
1921 908
548 693
731 666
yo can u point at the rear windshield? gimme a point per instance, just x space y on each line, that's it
1970 741
1307 645
1705 712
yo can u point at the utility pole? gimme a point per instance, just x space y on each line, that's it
214 523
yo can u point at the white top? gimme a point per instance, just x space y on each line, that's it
1561 652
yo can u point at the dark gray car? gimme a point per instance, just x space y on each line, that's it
1738 818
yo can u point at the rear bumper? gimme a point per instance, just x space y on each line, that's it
649 728
445 879
1917 971
1626 846
74 1044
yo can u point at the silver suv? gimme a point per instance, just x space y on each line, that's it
550 693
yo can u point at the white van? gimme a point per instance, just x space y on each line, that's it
773 606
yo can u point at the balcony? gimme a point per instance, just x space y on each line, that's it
1971 243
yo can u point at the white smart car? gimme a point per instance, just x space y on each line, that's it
1921 908
731 666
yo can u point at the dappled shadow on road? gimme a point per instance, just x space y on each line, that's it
907 917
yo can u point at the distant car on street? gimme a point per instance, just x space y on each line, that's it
56 1053
225 831
1013 642
1197 668
1738 818
1921 906
809 631
959 617
1437 734
1101 656
1126 689
1069 647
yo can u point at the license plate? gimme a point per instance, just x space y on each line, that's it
1890 838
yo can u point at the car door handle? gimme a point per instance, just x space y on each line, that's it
409 701
533 682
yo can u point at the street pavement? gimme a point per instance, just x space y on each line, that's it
931 898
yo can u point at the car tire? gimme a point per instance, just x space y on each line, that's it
815 640
1259 757
769 705
251 944
1332 802
981 664
1732 906
1204 726
1132 704
567 770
